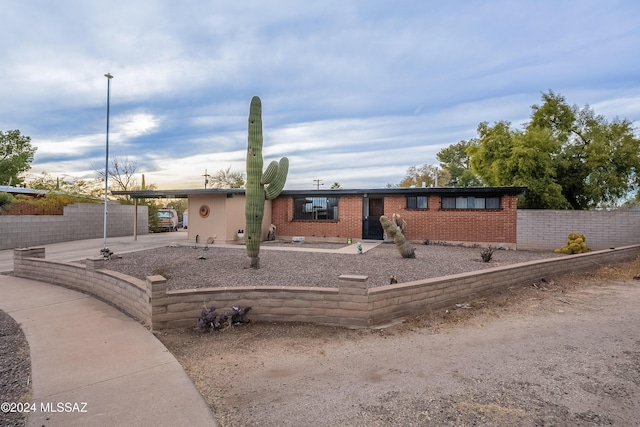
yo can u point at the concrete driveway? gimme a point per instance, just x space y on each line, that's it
81 249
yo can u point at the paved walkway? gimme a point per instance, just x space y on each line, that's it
89 356
101 366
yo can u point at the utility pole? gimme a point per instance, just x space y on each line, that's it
318 183
206 178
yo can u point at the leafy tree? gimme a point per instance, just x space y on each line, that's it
424 174
16 155
336 186
567 157
6 200
598 160
225 178
456 160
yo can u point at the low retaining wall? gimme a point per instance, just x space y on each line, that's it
351 304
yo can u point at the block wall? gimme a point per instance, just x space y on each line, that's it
79 221
350 304
548 229
129 294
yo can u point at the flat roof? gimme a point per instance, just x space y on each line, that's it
451 191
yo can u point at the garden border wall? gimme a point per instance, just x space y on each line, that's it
351 304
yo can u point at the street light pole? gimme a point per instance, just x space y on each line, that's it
105 250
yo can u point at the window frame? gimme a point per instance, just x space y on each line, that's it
323 208
462 203
416 205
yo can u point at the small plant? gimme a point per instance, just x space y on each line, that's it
576 244
486 254
210 320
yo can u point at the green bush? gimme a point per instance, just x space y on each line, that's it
6 200
576 244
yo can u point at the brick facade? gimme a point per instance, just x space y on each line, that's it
481 226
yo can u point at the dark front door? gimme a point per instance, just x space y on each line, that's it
373 209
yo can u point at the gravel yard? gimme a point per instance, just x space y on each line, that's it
225 266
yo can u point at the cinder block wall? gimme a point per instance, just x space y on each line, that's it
79 221
548 229
351 303
129 294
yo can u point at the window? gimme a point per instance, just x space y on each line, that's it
315 209
470 202
416 202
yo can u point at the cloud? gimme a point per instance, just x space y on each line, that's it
354 92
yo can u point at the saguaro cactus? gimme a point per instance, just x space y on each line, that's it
394 231
260 186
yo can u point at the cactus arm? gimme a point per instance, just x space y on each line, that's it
277 183
393 231
269 173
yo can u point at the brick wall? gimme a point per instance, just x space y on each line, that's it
548 229
350 304
79 221
460 225
457 225
349 222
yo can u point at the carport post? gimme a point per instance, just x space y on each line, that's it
135 219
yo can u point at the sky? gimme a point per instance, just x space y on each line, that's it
353 92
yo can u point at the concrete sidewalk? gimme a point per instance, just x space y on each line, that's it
88 356
94 366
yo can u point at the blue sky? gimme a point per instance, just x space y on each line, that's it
352 91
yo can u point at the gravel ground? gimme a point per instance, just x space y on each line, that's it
15 369
230 266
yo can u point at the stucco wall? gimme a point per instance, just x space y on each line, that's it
79 221
226 217
548 229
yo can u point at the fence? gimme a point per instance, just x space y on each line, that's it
79 221
351 303
548 229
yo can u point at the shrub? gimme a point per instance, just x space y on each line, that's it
6 200
486 254
576 244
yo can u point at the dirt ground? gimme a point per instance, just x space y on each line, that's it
563 352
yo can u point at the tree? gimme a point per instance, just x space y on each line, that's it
225 178
6 200
425 174
69 185
121 173
456 160
567 157
598 160
336 186
16 155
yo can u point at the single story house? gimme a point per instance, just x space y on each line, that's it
480 215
